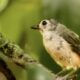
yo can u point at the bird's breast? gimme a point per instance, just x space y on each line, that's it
60 51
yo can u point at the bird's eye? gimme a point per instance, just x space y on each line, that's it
44 23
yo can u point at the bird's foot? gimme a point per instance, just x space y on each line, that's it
66 77
61 78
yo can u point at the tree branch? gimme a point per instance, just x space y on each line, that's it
16 54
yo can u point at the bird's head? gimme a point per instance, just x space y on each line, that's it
46 25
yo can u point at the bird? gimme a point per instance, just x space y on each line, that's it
61 43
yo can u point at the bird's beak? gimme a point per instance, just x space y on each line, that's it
35 27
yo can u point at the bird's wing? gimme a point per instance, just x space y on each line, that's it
73 39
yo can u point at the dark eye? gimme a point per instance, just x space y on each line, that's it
44 23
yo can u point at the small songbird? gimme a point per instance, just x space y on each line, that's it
61 43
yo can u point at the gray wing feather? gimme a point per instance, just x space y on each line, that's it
72 38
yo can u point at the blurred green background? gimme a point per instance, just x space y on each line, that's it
16 18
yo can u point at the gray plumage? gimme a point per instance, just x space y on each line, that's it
71 37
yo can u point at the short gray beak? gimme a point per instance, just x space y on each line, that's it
35 27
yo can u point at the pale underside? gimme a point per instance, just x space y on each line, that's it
60 50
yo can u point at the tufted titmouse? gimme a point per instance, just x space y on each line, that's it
62 44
